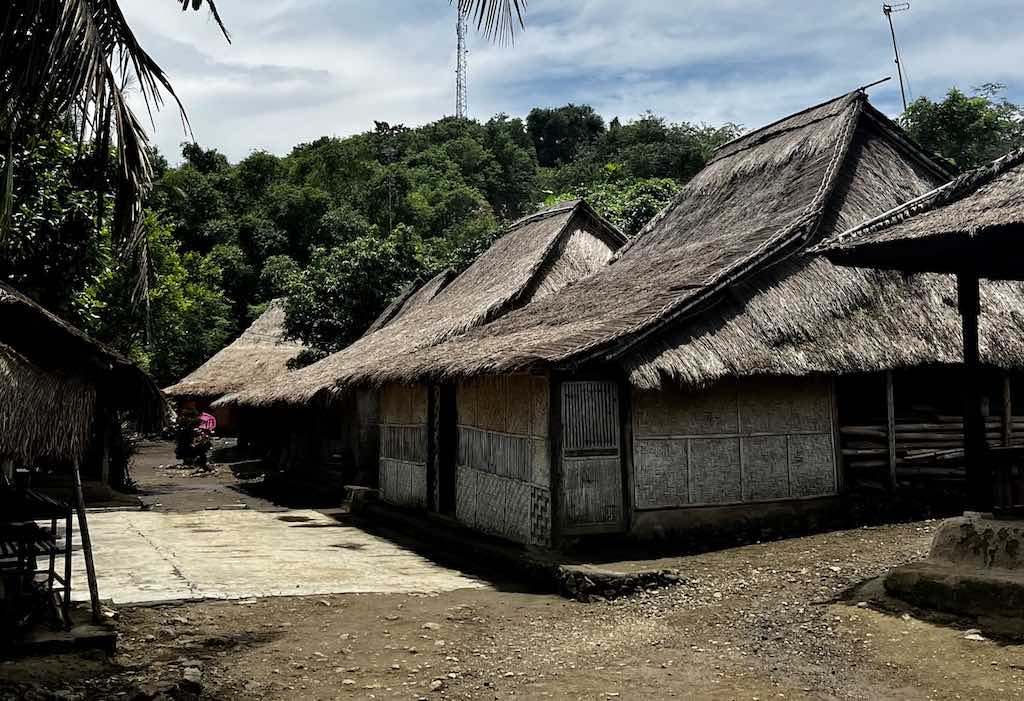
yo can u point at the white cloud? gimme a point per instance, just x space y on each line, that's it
299 69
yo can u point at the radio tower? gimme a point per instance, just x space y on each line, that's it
460 70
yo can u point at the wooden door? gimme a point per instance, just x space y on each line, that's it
592 496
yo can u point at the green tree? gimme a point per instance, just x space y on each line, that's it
53 245
345 288
968 130
559 133
628 203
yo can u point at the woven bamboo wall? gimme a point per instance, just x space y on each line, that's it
403 445
503 472
739 441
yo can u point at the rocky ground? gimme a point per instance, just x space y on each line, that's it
766 621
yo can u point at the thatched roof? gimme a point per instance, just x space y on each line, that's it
43 415
54 377
411 297
537 256
716 284
975 220
260 354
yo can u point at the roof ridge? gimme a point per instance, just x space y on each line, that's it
955 189
802 227
716 155
557 208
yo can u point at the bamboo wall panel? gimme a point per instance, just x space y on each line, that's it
590 416
662 475
807 454
402 483
503 457
592 491
715 472
403 445
740 441
673 411
766 468
784 405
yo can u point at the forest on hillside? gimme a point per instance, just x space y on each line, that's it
340 225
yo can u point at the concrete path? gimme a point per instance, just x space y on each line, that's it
149 557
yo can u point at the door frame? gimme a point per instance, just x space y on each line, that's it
624 399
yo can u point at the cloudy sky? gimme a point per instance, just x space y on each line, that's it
300 69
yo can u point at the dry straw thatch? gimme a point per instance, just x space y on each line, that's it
987 202
261 353
43 415
412 297
535 257
719 283
53 378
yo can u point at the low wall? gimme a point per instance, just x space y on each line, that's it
403 445
503 468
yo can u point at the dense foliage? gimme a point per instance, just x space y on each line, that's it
968 130
340 225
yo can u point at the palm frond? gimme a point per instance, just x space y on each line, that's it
497 19
73 58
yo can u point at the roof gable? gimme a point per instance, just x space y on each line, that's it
519 266
261 353
763 198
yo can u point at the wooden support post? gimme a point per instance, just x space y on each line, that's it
979 473
1007 410
890 417
83 534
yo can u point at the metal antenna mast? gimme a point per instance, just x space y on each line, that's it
460 70
887 10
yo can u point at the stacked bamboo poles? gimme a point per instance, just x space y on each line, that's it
926 447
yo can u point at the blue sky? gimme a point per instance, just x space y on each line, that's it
301 69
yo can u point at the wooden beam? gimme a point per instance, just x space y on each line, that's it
890 415
83 531
1007 409
979 473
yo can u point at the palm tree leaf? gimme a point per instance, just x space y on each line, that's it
496 18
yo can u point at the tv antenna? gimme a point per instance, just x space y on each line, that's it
887 10
461 29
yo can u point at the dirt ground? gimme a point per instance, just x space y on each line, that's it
765 621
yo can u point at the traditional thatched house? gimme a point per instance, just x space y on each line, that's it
260 354
703 374
60 394
536 257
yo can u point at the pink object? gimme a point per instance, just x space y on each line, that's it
207 422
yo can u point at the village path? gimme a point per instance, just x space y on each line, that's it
207 538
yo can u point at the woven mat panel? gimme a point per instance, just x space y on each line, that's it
518 511
403 484
465 495
540 516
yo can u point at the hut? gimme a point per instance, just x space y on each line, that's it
60 392
261 353
534 258
713 372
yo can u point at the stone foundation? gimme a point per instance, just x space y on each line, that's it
975 567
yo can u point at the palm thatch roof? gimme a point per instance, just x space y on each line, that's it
537 256
53 378
260 354
946 229
719 284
